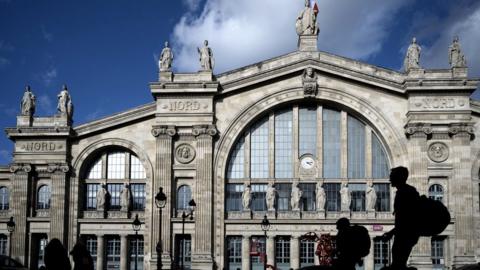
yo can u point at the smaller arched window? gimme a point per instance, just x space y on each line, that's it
435 192
4 198
43 198
184 195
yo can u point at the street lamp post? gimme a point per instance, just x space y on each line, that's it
136 224
265 227
11 229
160 201
192 206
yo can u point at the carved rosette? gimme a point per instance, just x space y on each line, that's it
209 130
464 129
58 168
415 129
438 152
164 131
18 167
184 153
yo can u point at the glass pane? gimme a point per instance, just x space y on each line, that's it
236 164
114 191
116 165
43 199
438 259
331 143
307 131
136 168
380 167
234 252
282 251
91 200
283 196
95 171
183 197
356 148
307 253
383 197
332 191
138 194
4 198
234 197
357 192
259 149
284 144
380 253
91 243
435 192
308 196
136 244
3 244
258 197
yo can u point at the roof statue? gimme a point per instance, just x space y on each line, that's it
412 59
455 55
206 57
65 105
166 58
28 102
307 21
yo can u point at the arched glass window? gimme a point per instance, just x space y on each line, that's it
4 198
435 192
335 144
184 195
43 197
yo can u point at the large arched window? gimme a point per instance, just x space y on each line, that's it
435 192
4 198
43 197
115 168
343 148
184 195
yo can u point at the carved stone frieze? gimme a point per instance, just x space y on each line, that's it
184 153
415 128
164 130
20 167
210 130
438 152
52 168
466 129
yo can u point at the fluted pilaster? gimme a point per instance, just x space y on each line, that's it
58 206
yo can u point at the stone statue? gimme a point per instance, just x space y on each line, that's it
166 58
370 197
309 81
65 105
307 21
412 59
125 198
246 197
345 197
321 197
206 57
270 197
296 196
28 102
455 55
102 197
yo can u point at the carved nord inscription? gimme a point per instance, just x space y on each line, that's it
183 106
439 103
40 147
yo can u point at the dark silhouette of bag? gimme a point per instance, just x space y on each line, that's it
433 217
360 240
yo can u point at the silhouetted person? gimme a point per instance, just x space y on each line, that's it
81 257
404 209
353 243
56 257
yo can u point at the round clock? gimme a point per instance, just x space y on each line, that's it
307 163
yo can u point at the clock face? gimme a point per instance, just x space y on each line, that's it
307 163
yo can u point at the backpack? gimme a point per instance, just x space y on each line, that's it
433 217
360 240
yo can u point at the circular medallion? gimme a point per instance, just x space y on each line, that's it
307 162
184 153
438 152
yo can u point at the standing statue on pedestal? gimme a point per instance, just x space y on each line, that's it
320 197
166 58
270 197
28 102
307 20
246 197
101 197
125 198
296 196
455 55
65 105
370 197
206 57
345 198
412 59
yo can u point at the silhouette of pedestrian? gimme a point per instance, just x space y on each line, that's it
405 232
81 257
353 243
56 257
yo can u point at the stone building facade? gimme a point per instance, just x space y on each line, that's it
308 120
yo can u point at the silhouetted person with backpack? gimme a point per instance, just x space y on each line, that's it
406 219
353 243
56 257
81 257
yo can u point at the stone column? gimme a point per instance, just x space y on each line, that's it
202 254
246 252
123 252
461 195
270 249
316 260
58 198
295 252
418 177
19 205
100 251
163 178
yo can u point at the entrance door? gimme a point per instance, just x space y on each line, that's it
257 252
183 251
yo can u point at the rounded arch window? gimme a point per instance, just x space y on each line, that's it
112 169
184 195
313 142
4 198
43 197
435 192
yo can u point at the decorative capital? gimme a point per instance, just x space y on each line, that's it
164 130
53 168
465 129
416 128
20 167
209 130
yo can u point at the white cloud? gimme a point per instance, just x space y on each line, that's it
192 5
244 32
49 76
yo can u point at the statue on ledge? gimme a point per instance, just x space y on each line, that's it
370 197
246 197
320 197
206 57
345 198
125 198
270 197
28 102
166 58
307 20
296 196
455 55
412 59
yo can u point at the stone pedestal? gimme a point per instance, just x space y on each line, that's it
371 214
205 75
165 76
416 73
295 214
24 121
307 43
459 72
271 214
321 214
246 214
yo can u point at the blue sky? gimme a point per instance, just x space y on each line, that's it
105 51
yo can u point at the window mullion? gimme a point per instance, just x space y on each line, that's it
104 166
246 147
127 165
295 141
368 152
320 141
343 145
271 145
